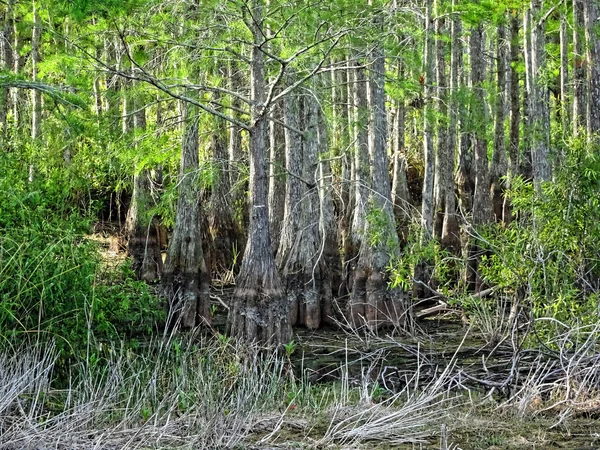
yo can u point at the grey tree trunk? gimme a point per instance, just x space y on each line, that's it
301 257
593 69
400 192
565 109
464 177
7 64
450 227
482 213
479 113
580 100
444 154
538 95
185 280
498 166
361 161
372 303
259 311
427 205
18 63
515 112
36 95
276 175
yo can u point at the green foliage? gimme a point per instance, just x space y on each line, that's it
551 252
444 267
51 282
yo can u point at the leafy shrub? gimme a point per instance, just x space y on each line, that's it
551 253
50 279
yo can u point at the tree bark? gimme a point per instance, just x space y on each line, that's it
7 65
427 205
515 112
538 96
498 166
361 161
302 257
482 213
580 100
444 153
223 230
276 176
450 227
593 69
372 302
259 311
185 279
36 95
564 72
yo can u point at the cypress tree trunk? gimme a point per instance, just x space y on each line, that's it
564 71
593 70
450 227
328 227
498 166
223 230
259 311
539 99
361 161
18 63
444 154
185 279
239 198
36 95
481 198
427 206
400 192
515 112
579 68
372 303
276 176
6 63
301 256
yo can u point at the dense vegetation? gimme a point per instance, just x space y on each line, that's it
355 166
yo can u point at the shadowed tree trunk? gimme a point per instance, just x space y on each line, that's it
239 197
185 280
592 35
372 302
6 64
223 230
276 176
450 227
260 311
301 257
444 154
361 162
142 232
538 96
422 270
565 109
427 205
327 222
498 167
400 192
579 67
482 213
515 112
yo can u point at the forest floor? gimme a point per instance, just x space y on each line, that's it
445 387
